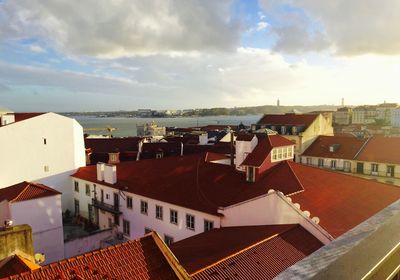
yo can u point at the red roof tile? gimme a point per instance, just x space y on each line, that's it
340 201
245 137
24 116
288 119
252 252
347 149
110 145
137 259
381 149
178 180
26 191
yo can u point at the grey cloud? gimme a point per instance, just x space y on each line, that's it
125 27
351 27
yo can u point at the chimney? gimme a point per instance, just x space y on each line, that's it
110 173
100 171
16 240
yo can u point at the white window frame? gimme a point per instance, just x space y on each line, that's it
144 207
173 219
208 225
159 212
126 227
129 205
190 222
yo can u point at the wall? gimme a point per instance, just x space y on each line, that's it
85 244
270 209
45 217
243 147
7 119
139 221
25 155
4 212
16 239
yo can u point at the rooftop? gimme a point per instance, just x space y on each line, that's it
229 252
381 149
144 258
26 191
288 119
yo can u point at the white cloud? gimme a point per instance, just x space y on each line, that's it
351 27
37 49
247 77
262 25
124 27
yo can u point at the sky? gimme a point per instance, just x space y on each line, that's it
94 55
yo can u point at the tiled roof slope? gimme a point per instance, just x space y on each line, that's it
191 182
137 259
109 145
24 116
381 149
341 201
348 149
252 252
288 119
26 191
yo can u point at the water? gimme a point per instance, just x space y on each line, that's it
127 126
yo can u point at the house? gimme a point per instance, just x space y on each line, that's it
249 252
384 112
144 258
364 114
343 116
374 156
40 207
302 129
395 121
180 197
41 147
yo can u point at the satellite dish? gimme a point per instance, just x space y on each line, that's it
40 258
316 220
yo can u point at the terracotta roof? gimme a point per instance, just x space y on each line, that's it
15 265
250 252
381 149
341 201
26 191
347 149
264 148
24 116
140 259
109 145
245 137
288 119
191 182
212 127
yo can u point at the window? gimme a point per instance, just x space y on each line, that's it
390 171
76 185
374 168
347 166
208 225
290 152
44 141
251 174
159 212
116 220
46 168
274 154
159 155
294 130
283 129
309 161
76 204
126 227
129 202
87 189
190 222
173 216
320 162
107 196
333 164
147 230
168 239
284 152
143 207
280 153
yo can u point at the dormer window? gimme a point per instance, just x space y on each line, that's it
251 174
283 129
294 130
159 155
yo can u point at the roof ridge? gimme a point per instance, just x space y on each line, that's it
21 192
362 148
295 175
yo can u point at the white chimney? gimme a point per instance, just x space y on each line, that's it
110 173
100 171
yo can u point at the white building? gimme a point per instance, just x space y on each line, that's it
396 117
45 148
40 207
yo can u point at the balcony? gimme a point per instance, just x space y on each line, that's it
114 209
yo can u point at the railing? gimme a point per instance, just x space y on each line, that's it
114 209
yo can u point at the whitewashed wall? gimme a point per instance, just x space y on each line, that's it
24 154
243 148
44 215
85 244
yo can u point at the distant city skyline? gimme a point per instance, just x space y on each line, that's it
170 54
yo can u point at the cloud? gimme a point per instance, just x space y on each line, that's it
262 25
247 77
124 27
37 49
350 27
